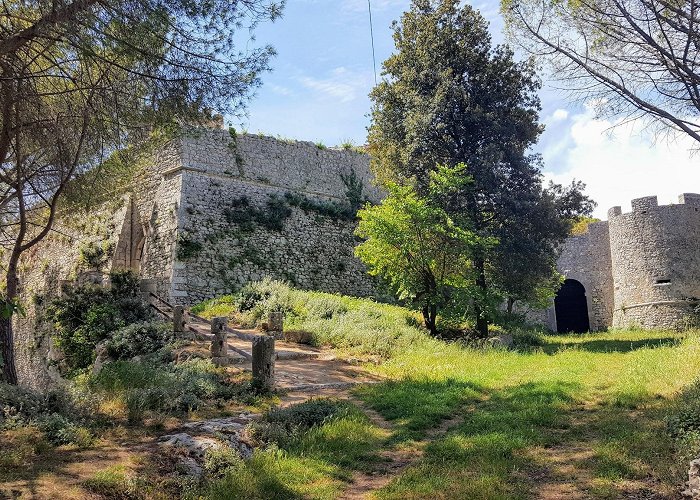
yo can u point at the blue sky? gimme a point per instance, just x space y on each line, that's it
323 72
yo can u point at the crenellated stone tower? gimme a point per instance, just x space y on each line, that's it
640 268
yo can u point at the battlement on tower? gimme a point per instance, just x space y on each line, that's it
646 203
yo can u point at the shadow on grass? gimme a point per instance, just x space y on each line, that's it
517 440
416 406
602 346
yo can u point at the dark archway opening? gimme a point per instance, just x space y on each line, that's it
571 308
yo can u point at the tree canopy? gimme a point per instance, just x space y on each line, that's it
630 58
80 79
411 242
450 97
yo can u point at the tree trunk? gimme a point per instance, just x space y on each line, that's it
482 323
430 319
9 372
510 304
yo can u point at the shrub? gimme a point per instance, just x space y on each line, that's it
88 314
281 425
220 461
54 413
526 338
59 430
187 247
20 406
139 338
152 387
360 326
684 416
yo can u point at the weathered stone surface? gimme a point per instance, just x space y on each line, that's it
640 268
194 446
179 320
219 346
693 486
655 262
505 341
264 362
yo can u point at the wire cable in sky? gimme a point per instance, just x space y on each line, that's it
371 34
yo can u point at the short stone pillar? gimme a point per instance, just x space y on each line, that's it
179 319
264 363
219 344
275 324
148 287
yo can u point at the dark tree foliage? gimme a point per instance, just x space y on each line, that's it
451 97
81 78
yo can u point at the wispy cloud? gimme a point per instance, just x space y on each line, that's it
617 163
342 84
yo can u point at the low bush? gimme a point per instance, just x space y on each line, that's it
20 406
88 314
139 338
683 424
60 430
151 387
524 338
684 416
54 413
220 461
358 326
281 425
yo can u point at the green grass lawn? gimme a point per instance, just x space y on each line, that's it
560 416
583 412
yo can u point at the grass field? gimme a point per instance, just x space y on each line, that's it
583 413
561 416
582 416
606 415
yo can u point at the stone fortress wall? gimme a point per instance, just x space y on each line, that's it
187 195
639 269
230 186
655 261
586 258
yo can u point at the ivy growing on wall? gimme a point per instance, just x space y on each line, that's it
187 247
233 145
277 210
271 216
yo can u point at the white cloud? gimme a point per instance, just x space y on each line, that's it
559 115
279 89
619 164
342 84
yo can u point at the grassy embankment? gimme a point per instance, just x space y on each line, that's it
600 413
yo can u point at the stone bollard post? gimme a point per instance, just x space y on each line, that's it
148 286
179 319
219 345
264 363
275 323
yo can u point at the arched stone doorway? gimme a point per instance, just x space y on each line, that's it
571 308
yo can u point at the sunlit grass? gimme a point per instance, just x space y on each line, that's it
600 397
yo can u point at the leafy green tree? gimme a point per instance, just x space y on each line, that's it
79 79
449 97
411 242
